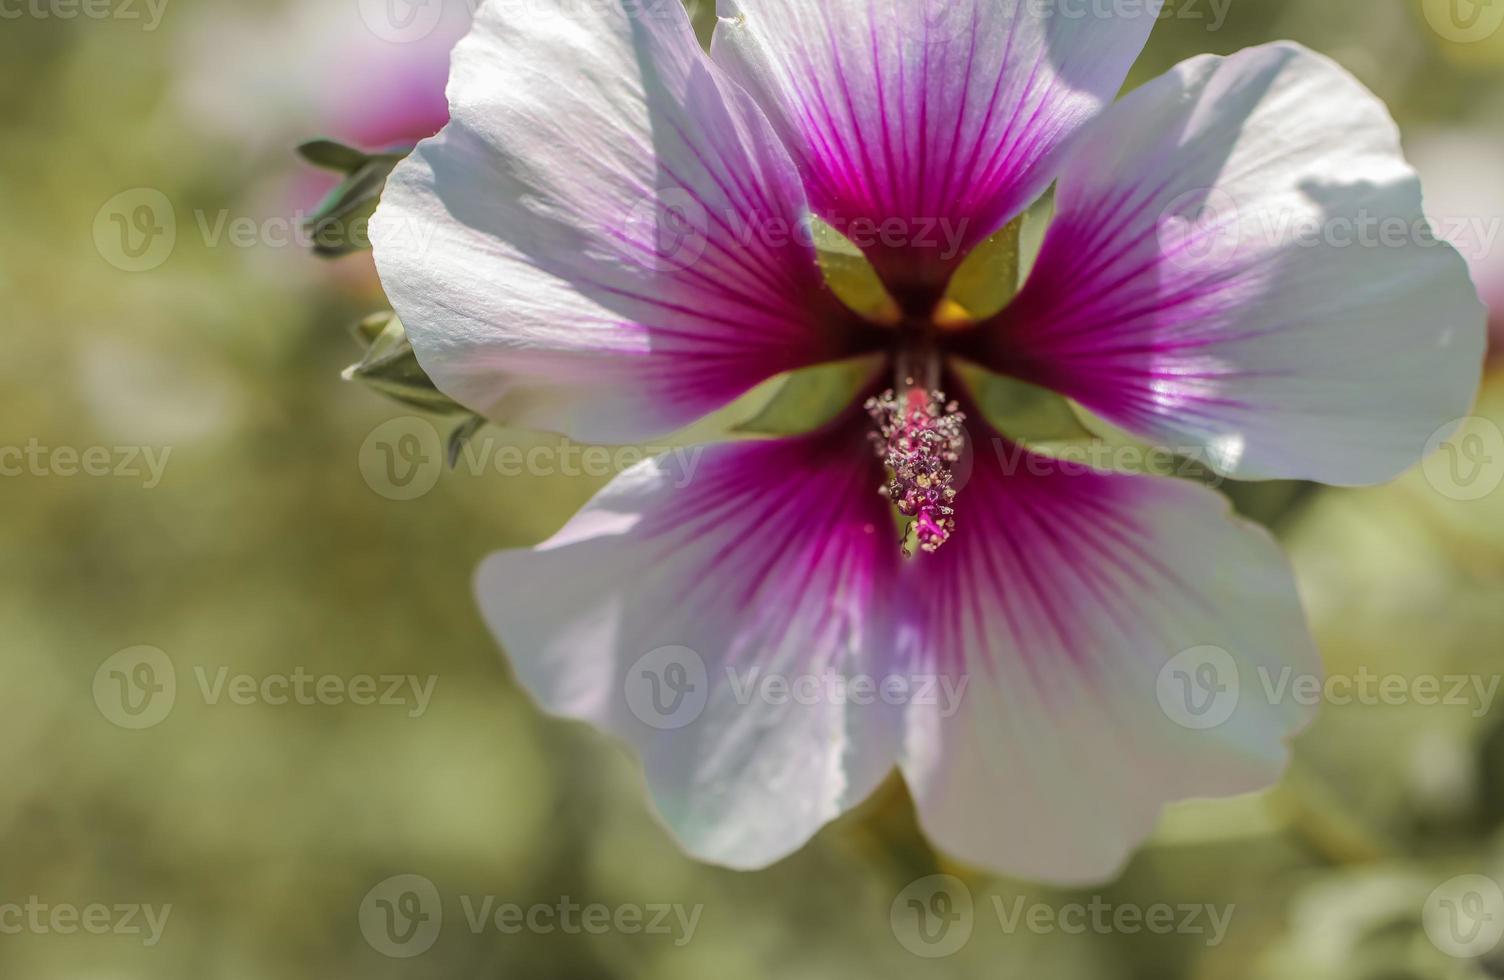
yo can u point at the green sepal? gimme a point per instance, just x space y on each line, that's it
339 225
391 368
811 397
989 277
849 275
1025 413
328 154
460 437
1050 424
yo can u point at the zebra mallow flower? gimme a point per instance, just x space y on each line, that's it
606 242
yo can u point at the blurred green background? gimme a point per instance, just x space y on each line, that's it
270 547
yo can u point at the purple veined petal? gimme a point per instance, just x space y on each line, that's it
1240 269
938 119
1113 637
667 610
608 239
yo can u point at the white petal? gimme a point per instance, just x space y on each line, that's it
945 116
1240 269
1077 610
659 611
607 238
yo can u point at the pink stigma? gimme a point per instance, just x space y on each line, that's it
920 437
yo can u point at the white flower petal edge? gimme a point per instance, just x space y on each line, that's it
1240 268
606 239
1112 635
659 612
1465 210
924 111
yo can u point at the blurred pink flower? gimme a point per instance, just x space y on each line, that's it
264 80
266 76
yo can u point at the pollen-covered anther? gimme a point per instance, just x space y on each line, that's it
920 437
